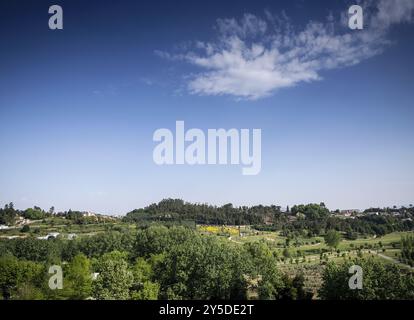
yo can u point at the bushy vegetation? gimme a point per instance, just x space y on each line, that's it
332 238
35 213
8 214
176 209
407 250
176 263
160 262
380 281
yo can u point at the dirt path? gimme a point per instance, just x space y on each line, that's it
392 260
232 240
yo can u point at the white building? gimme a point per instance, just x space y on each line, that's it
49 236
88 214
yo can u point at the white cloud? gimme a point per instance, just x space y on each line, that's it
253 57
392 12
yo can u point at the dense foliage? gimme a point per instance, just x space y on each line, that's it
407 250
380 281
332 238
8 214
175 263
160 262
176 209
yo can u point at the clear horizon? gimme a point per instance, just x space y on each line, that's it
212 204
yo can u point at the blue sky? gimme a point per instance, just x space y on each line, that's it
78 107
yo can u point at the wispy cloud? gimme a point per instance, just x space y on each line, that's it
253 57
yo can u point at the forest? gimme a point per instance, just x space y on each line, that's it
315 218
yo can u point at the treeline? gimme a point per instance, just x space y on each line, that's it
177 209
380 281
352 228
9 215
310 219
393 210
177 263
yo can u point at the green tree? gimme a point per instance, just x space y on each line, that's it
407 250
8 214
34 213
9 276
142 271
311 211
286 253
158 239
28 291
332 238
202 268
380 281
98 245
143 287
263 265
36 250
114 279
148 291
78 279
20 279
25 228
